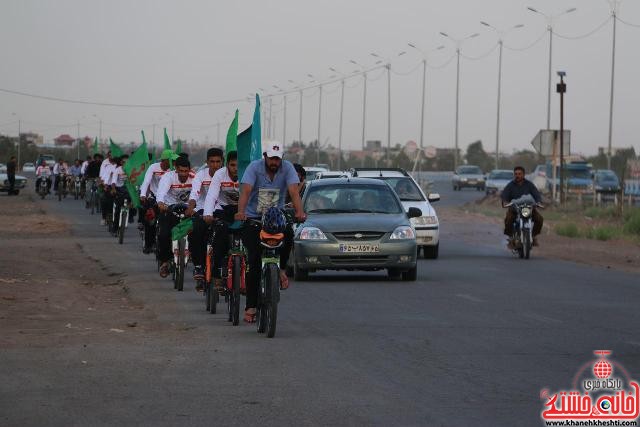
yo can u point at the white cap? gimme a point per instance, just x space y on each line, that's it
273 149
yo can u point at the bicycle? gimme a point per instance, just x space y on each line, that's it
149 220
236 262
269 290
62 186
210 294
180 250
77 184
122 215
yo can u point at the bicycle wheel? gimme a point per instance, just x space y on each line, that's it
235 294
92 202
59 192
180 266
121 223
272 294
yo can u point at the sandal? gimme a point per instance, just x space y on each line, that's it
250 317
284 280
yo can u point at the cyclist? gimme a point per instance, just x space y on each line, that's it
222 202
117 186
43 171
175 187
149 187
76 168
107 170
199 190
85 165
265 184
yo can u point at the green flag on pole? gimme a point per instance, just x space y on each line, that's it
232 135
182 229
179 147
116 151
134 168
249 142
96 150
167 143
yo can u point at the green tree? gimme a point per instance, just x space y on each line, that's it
477 156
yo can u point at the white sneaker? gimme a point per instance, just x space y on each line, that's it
102 222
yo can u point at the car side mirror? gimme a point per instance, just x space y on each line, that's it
414 213
433 197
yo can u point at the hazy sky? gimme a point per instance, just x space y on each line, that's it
177 52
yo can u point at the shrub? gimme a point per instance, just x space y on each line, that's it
632 224
604 233
567 230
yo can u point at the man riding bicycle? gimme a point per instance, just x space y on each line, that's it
222 203
117 185
199 191
265 184
520 186
174 188
107 169
149 188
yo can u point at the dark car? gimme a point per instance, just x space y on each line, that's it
468 176
355 224
606 181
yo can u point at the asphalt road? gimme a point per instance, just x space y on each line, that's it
472 342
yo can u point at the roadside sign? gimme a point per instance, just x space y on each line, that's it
430 152
547 141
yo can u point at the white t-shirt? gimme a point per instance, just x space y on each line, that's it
107 172
200 187
152 178
172 191
43 171
84 166
223 191
59 168
118 177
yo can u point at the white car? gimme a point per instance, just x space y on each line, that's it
3 168
411 195
332 174
497 180
311 172
28 167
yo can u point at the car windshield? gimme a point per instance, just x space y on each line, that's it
469 170
607 176
579 174
351 198
501 175
405 188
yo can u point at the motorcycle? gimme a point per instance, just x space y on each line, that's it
44 184
522 237
77 184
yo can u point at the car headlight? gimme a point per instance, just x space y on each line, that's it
463 179
480 179
598 187
526 212
424 220
403 233
312 233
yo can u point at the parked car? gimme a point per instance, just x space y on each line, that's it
577 177
332 174
311 172
606 181
3 168
497 180
411 195
20 183
28 167
468 176
355 224
48 158
539 177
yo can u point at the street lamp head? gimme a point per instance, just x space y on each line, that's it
402 53
444 34
375 55
440 47
562 73
353 62
473 35
486 24
573 9
411 45
519 26
332 69
533 10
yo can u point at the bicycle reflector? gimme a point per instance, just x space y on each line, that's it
271 240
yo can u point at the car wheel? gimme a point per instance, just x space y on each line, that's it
300 274
431 252
411 275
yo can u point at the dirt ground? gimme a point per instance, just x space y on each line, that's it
51 292
616 254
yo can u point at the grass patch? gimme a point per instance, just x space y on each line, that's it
601 213
567 230
603 233
632 223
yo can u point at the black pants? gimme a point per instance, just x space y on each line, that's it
107 203
251 241
166 222
118 201
12 182
149 225
198 241
511 217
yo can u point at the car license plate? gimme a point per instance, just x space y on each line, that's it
473 181
361 248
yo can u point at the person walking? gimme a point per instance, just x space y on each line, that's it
11 175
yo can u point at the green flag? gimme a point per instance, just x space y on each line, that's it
116 151
96 150
135 168
232 135
182 229
167 143
179 147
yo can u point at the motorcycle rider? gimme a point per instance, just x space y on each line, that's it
199 190
174 187
43 172
107 169
264 184
59 168
222 202
149 187
520 186
76 168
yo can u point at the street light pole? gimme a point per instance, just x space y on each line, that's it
614 12
78 139
501 35
458 43
319 125
341 117
550 19
561 89
284 124
364 108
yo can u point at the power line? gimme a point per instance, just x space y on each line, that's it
443 65
627 23
590 33
411 71
521 49
484 55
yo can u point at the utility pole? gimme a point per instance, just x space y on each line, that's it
319 125
340 130
19 141
78 139
614 7
561 89
300 125
284 125
389 115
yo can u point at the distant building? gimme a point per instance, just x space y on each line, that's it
602 151
32 138
373 145
64 141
